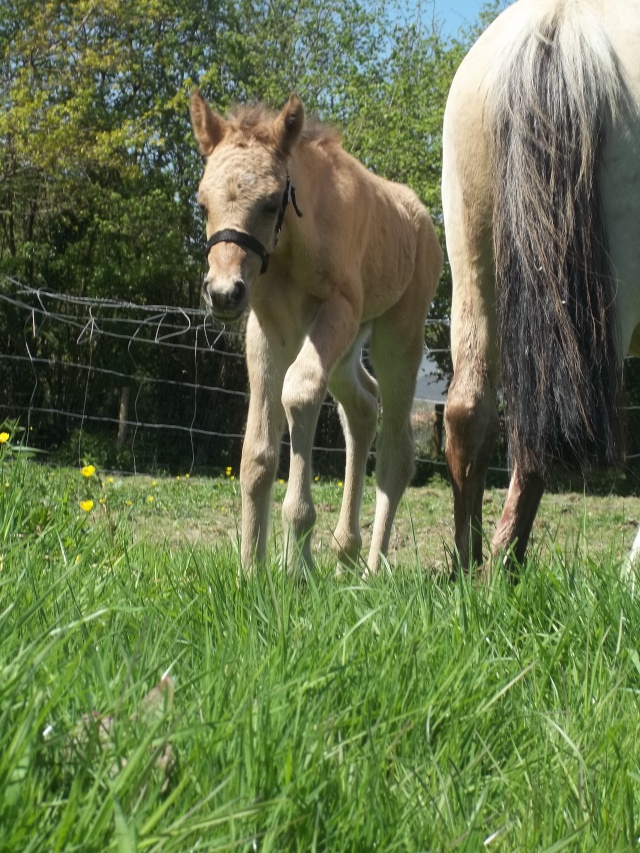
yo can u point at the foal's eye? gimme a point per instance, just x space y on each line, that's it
271 207
203 208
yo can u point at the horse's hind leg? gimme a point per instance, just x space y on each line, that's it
471 419
512 534
357 394
471 424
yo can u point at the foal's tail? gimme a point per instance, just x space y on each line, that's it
558 328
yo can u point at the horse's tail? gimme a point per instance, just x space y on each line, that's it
558 329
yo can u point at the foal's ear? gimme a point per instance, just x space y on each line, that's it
208 127
288 125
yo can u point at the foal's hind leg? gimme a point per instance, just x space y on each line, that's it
357 394
397 345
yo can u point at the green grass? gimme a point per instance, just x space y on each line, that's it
401 713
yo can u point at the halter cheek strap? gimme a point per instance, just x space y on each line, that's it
241 238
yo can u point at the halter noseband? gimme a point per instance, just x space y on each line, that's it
240 238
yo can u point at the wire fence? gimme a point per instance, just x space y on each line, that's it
156 387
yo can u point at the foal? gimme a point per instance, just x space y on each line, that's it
343 258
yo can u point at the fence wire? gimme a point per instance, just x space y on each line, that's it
76 364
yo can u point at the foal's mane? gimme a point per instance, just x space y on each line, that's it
256 120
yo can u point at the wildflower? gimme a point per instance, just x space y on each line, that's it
103 500
281 482
178 477
186 476
88 471
150 498
4 437
228 470
340 484
128 503
316 478
109 479
153 483
86 506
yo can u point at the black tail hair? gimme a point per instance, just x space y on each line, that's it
559 337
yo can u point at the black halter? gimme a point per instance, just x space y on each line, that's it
230 235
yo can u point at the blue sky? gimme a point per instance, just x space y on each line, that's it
452 14
457 13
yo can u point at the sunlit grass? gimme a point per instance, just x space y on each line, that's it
401 713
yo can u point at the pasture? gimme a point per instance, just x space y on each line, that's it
400 713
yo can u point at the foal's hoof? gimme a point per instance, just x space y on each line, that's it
484 573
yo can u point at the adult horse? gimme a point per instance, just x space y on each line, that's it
541 197
354 257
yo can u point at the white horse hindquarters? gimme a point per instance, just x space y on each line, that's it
568 64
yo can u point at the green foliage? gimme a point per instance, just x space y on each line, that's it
98 168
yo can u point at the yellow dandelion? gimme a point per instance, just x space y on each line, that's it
103 500
150 499
281 482
153 483
340 483
109 479
186 476
232 477
4 437
316 478
178 477
86 506
88 471
228 471
128 503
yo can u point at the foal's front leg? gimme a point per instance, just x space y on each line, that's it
266 364
305 387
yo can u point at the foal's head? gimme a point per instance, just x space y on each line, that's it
241 194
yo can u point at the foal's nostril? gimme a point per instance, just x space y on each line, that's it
237 295
238 292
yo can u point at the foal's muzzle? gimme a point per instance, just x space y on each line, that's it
226 303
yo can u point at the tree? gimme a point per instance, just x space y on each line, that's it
98 169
